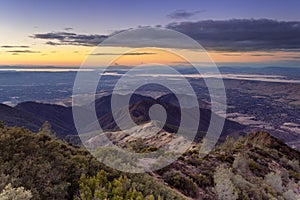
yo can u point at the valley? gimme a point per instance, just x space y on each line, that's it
255 104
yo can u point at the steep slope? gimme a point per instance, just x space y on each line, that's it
257 166
15 117
148 134
140 109
60 117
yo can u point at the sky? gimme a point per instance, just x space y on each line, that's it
64 33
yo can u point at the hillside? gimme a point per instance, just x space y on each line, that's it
48 168
32 115
257 166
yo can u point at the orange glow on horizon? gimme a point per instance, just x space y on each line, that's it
75 56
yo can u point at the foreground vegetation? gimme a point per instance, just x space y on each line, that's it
39 166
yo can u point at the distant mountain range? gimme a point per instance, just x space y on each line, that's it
32 115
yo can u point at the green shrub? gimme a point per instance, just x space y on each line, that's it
254 166
181 182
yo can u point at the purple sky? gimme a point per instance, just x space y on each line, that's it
22 20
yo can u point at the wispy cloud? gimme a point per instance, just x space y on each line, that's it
183 14
262 54
53 43
231 54
11 46
126 54
292 57
68 29
23 51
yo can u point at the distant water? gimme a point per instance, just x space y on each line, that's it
56 84
249 77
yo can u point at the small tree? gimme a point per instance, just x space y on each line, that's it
224 186
240 163
93 187
228 145
46 129
1 124
275 181
294 164
291 191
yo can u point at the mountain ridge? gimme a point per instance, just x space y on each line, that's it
32 115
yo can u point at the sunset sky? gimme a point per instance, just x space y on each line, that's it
235 33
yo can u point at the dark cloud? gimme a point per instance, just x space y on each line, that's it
67 38
22 51
125 54
68 29
54 35
183 14
10 46
143 37
237 35
243 34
